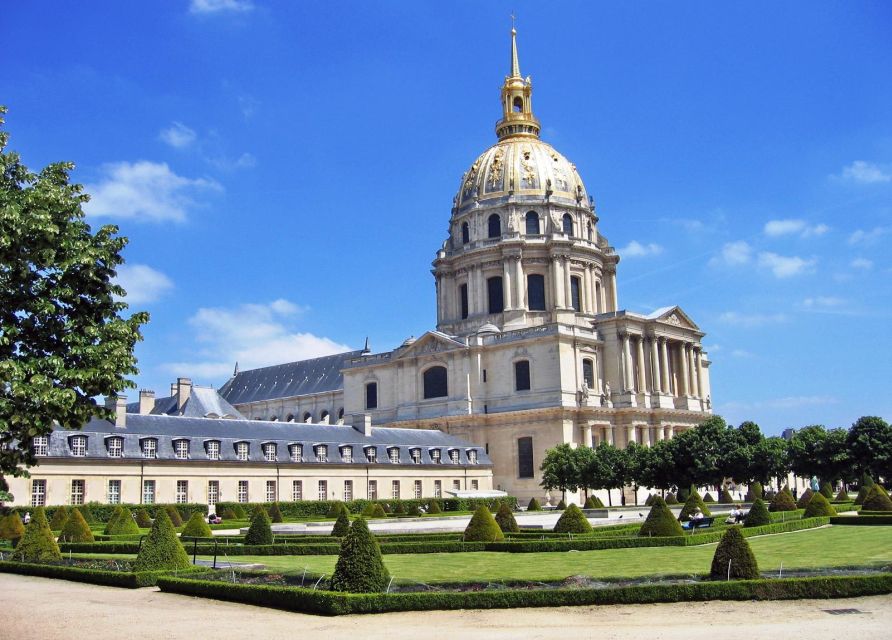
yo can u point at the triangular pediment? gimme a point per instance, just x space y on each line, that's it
675 317
430 342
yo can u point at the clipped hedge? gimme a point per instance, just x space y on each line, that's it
126 579
862 520
95 512
321 508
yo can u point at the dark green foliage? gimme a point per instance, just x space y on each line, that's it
37 544
88 513
649 500
259 532
76 529
671 499
505 520
561 505
369 510
434 507
734 548
534 505
337 507
341 526
758 514
161 549
400 509
804 499
360 568
275 514
173 515
783 501
660 521
593 502
725 497
866 480
684 493
818 506
11 528
843 495
572 521
693 503
482 527
125 579
122 523
876 500
258 508
385 508
379 511
229 514
197 527
143 520
753 492
414 510
112 522
239 512
59 518
708 497
827 490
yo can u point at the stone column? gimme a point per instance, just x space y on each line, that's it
683 351
628 382
506 284
659 433
608 435
699 360
587 434
603 297
613 295
630 435
481 291
667 381
670 432
642 373
568 290
655 361
520 282
599 380
558 286
586 293
695 387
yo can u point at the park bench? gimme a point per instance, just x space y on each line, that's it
702 523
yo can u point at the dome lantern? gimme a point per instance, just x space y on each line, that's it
517 101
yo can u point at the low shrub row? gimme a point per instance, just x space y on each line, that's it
332 603
128 579
863 520
322 508
98 512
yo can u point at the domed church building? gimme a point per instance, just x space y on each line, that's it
531 348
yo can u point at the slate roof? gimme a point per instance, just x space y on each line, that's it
288 380
202 402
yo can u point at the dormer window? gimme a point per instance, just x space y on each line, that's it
435 456
78 445
241 450
41 445
472 456
115 447
371 454
181 449
347 454
213 449
394 454
296 452
269 451
454 456
321 453
416 455
150 448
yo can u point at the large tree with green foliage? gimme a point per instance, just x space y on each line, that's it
769 460
606 469
817 451
63 340
560 469
869 444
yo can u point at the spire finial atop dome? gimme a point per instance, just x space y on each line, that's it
515 65
517 108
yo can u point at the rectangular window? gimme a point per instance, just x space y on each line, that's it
456 485
588 373
494 291
395 489
115 447
213 491
525 467
182 491
416 456
41 445
347 454
522 375
373 489
241 450
371 395
417 490
297 490
371 454
38 493
269 452
297 453
150 449
463 300
243 491
536 292
322 455
323 490
438 488
472 456
213 450
454 456
435 456
348 490
574 293
78 445
394 454
77 492
114 492
148 492
475 485
271 491
181 449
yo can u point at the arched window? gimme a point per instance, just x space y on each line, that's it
532 220
289 417
536 292
323 417
495 226
575 288
518 104
435 385
308 417
568 224
465 233
590 234
522 375
341 413
495 293
371 395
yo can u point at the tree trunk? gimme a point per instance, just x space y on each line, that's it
609 498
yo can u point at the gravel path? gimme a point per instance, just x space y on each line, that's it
45 609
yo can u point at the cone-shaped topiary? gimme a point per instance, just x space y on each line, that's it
483 527
341 526
112 521
122 523
783 501
827 490
414 510
670 498
572 521
561 505
76 529
842 496
161 549
87 512
379 511
259 532
758 514
818 506
258 508
534 505
143 520
175 518
693 503
733 558
804 499
876 500
649 500
400 509
385 508
196 527
369 510
505 519
239 512
660 521
59 518
229 514
725 496
360 568
753 492
434 507
708 497
595 501
37 544
336 508
275 514
11 528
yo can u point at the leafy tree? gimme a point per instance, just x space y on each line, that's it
816 451
360 567
560 469
37 544
701 453
769 460
733 558
869 444
63 341
161 549
606 469
196 527
655 465
76 529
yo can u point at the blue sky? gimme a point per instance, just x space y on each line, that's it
285 170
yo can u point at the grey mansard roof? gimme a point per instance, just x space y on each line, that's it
287 380
203 402
166 429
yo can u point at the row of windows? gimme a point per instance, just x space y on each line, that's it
307 416
150 495
495 295
181 446
532 226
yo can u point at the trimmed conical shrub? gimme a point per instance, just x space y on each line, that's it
173 513
37 544
275 514
708 497
733 558
87 512
505 520
76 529
804 499
258 508
259 532
842 496
572 521
196 527
589 503
360 567
369 510
434 507
113 520
827 490
229 514
122 523
753 492
379 511
11 528
161 549
143 519
693 503
239 511
758 514
385 508
399 509
414 510
59 517
660 521
671 499
483 527
341 526
783 501
876 500
725 497
818 506
534 505
594 502
337 507
562 505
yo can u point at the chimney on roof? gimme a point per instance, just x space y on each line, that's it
173 389
118 404
146 402
362 422
184 390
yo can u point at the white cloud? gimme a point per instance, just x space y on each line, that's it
861 263
775 228
865 173
751 320
178 135
142 283
823 302
868 237
244 161
145 190
733 254
254 335
785 266
635 249
220 6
